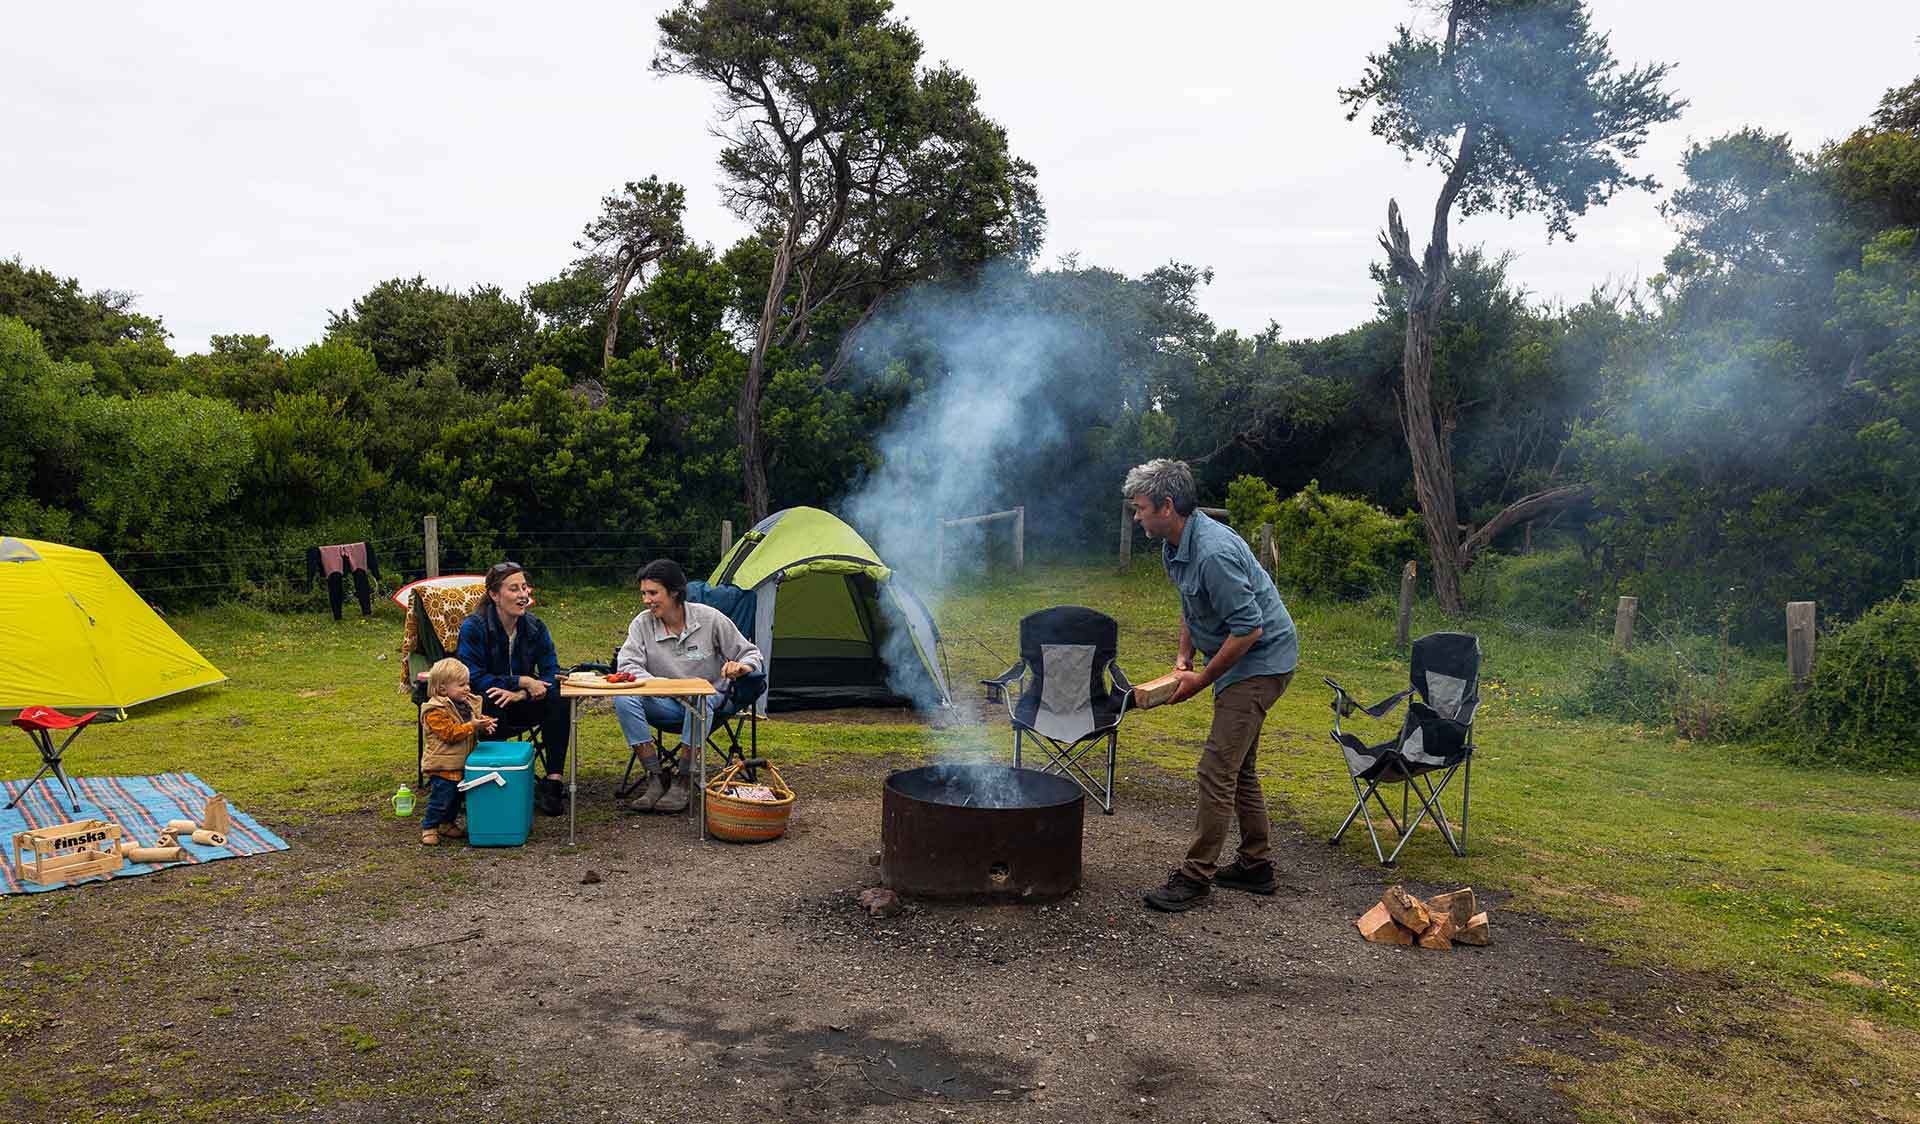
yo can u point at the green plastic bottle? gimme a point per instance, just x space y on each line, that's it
403 802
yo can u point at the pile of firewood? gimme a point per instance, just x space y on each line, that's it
1441 921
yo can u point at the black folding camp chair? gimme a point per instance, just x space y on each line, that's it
1435 737
737 714
1067 694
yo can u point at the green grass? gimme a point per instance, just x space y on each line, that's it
1778 898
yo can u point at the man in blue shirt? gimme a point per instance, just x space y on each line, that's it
1230 613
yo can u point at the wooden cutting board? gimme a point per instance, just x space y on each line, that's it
644 687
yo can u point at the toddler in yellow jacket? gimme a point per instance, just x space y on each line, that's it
452 723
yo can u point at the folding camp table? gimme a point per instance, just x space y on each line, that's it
39 722
692 694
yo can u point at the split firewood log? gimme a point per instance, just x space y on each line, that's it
1439 934
1378 926
1407 909
1459 903
1155 692
1476 932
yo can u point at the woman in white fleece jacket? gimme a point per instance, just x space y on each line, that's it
674 640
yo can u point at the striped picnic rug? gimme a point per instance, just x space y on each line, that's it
141 805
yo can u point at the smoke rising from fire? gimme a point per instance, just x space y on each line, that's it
988 404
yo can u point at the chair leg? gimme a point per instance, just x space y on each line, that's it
61 776
50 763
1466 796
670 756
1373 790
1358 800
1430 805
1360 809
1113 757
46 766
1063 760
1431 798
627 783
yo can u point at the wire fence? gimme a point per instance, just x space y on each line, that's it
283 577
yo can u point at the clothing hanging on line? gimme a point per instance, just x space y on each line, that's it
336 562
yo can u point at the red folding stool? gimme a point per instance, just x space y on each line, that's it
39 722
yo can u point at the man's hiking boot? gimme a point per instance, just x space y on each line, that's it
1253 878
1178 895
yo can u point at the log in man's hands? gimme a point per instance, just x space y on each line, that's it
1191 684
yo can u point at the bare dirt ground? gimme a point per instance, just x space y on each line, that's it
362 977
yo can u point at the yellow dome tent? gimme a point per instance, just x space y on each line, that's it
74 635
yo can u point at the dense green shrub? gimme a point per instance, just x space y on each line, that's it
1328 545
1549 587
1251 501
1863 706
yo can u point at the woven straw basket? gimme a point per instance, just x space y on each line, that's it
747 821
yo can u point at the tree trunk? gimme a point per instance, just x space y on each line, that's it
1432 466
753 465
620 283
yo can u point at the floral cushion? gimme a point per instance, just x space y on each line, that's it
446 607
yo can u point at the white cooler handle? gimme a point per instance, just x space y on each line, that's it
485 778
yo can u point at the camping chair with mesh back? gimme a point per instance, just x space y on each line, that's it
735 715
1436 736
1071 694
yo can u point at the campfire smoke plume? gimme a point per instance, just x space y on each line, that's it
978 372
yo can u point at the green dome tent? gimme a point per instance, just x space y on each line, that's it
836 624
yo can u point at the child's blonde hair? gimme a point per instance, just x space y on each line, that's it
443 674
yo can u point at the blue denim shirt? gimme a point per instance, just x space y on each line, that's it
492 662
1224 592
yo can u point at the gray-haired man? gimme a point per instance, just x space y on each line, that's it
1231 613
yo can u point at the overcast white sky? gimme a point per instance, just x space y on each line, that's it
247 167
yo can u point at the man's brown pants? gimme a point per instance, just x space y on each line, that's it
1229 776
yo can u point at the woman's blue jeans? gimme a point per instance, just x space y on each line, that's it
639 713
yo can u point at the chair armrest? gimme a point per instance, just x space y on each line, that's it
740 694
1120 680
997 686
1345 704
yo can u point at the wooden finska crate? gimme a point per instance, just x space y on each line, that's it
67 852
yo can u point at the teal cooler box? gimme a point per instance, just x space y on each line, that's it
499 789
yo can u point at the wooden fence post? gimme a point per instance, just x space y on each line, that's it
726 536
939 551
431 529
1800 643
1623 615
1269 553
1019 538
1403 620
1126 532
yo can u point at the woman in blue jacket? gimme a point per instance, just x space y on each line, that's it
511 660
